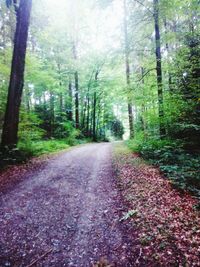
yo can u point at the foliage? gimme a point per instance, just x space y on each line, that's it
29 127
25 150
181 167
117 129
48 106
42 147
64 41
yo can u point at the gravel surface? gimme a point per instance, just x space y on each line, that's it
64 211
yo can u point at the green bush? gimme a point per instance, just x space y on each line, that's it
43 147
180 166
29 128
31 136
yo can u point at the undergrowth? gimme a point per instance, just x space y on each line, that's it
26 150
38 148
177 163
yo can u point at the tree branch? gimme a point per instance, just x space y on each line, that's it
145 74
148 9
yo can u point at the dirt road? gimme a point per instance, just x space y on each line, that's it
64 212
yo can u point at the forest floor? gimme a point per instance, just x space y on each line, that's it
78 206
166 222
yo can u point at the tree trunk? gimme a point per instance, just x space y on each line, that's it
144 127
159 68
76 99
88 115
88 108
130 109
52 114
76 80
61 102
69 105
98 119
94 117
11 120
84 115
94 108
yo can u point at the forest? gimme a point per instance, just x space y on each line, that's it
102 76
134 72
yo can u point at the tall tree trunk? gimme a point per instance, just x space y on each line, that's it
159 68
88 114
69 105
76 80
94 108
94 117
11 120
76 99
52 118
88 108
84 115
98 118
143 105
61 102
130 109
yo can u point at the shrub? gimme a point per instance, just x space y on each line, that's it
29 128
180 166
43 147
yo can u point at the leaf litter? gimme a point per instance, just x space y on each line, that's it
166 222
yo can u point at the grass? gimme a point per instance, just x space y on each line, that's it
26 150
42 147
38 148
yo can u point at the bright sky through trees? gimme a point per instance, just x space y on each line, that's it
103 25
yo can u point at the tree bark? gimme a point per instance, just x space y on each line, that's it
94 117
159 68
76 80
144 126
69 105
76 99
94 108
130 109
88 115
61 102
52 113
11 120
98 119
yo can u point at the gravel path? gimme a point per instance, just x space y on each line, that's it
64 211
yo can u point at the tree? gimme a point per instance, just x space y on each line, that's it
159 67
11 121
159 56
127 52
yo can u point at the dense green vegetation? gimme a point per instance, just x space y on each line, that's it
181 166
99 70
67 83
176 149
